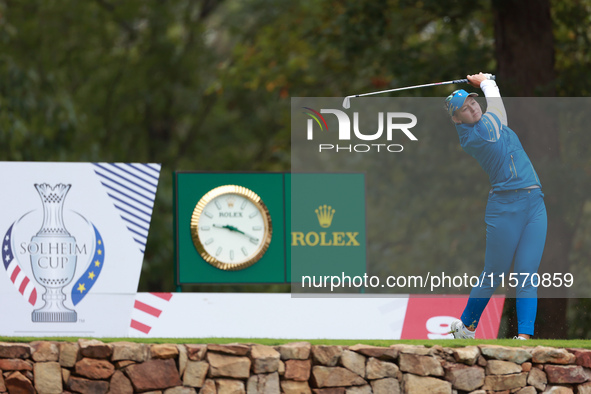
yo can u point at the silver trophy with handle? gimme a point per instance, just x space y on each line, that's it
53 256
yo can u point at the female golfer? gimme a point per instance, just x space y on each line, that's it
516 220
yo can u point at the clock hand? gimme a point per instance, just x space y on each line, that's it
232 228
228 227
255 239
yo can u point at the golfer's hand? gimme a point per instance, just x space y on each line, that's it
476 79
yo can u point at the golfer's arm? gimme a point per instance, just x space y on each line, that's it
494 102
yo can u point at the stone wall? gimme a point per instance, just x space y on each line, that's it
91 366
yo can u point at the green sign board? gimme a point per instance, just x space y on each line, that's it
327 234
267 227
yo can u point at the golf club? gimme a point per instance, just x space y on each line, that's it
347 102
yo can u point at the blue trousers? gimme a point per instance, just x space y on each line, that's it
516 225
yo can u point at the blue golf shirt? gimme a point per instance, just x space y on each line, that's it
496 147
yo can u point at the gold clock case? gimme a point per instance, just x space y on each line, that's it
248 194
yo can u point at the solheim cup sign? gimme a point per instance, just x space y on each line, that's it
73 245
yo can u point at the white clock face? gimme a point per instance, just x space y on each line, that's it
232 229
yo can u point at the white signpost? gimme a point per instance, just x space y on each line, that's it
73 240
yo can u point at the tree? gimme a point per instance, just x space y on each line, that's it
104 81
525 53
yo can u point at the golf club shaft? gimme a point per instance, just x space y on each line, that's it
413 87
346 102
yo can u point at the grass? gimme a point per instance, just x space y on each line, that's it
558 343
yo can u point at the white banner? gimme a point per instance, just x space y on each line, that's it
272 315
265 315
73 243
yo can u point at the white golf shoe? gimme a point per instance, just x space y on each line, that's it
459 330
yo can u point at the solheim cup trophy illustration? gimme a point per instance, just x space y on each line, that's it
53 256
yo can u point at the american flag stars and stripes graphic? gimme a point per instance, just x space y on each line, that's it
16 275
132 189
147 309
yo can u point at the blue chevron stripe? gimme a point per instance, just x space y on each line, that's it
132 189
149 170
123 175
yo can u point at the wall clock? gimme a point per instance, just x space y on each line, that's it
231 227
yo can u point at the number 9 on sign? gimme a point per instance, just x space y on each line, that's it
439 327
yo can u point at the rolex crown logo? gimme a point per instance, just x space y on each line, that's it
325 214
231 201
